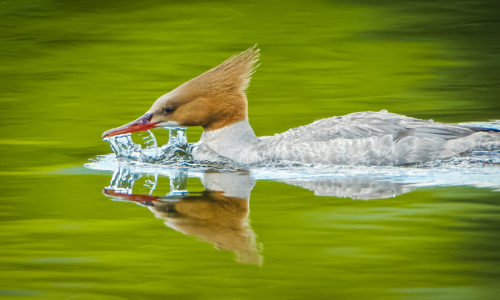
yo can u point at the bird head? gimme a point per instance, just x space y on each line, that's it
213 100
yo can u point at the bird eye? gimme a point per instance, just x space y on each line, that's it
169 110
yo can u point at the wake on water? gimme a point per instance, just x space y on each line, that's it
131 160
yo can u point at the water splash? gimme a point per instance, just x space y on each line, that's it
176 149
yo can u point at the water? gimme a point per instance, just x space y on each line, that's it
70 70
131 161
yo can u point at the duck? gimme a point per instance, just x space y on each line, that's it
216 101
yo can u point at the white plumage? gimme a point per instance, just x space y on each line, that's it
363 138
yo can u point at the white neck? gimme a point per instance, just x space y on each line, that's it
235 142
241 131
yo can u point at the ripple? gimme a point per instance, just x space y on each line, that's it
479 169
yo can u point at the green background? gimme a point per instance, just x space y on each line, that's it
71 69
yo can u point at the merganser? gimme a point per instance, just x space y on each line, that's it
216 101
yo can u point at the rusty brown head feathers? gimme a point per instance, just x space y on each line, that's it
213 100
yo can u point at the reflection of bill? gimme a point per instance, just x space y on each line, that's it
218 215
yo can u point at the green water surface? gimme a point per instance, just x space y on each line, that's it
71 69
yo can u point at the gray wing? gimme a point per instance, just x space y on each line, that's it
373 124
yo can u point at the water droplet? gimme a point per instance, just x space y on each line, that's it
177 147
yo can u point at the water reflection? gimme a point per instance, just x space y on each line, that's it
218 215
361 188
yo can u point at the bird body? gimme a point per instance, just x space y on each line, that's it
216 101
362 138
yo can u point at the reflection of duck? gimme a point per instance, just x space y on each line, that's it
216 101
219 215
